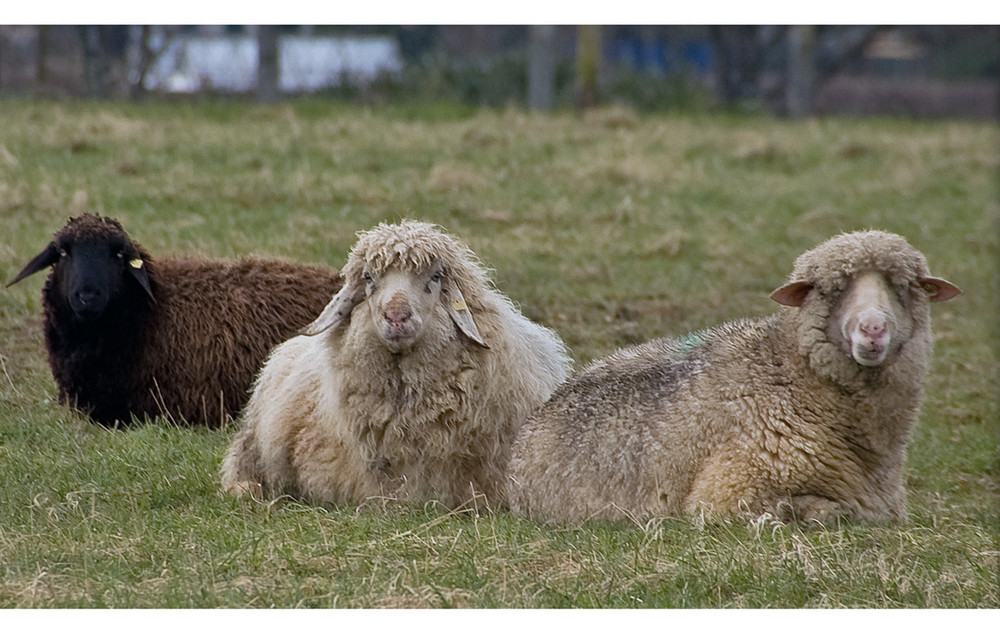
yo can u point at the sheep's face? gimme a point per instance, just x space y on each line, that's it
867 316
403 301
92 260
401 304
89 274
868 302
867 292
869 320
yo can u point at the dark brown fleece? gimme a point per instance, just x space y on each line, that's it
191 350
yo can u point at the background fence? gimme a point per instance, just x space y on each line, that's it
924 71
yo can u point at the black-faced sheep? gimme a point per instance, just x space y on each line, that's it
411 384
128 335
804 415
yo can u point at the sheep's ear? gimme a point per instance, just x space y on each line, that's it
46 258
336 312
939 289
793 294
137 267
459 312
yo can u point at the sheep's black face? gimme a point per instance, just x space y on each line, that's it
93 261
90 274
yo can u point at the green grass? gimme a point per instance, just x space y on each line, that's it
610 227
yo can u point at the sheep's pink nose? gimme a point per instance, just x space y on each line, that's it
397 315
872 326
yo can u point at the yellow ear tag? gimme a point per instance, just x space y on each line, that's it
459 306
135 263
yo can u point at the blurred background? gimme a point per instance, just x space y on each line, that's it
793 71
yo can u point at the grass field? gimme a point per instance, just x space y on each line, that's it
609 227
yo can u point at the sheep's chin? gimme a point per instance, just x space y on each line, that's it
87 315
398 343
869 357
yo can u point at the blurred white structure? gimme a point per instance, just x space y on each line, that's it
228 63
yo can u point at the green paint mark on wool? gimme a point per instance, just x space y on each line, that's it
684 344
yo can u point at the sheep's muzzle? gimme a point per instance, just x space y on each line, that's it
867 316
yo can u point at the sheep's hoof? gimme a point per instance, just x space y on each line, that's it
245 488
809 509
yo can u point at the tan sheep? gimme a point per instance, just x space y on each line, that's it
412 383
805 414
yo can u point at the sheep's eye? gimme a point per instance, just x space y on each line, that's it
437 276
367 275
120 254
63 252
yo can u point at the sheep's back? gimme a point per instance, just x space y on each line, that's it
213 325
587 451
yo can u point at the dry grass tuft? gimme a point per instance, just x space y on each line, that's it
451 177
612 118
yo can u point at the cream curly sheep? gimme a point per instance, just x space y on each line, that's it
805 414
412 383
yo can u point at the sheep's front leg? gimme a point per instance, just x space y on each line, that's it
727 484
730 484
805 508
241 467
